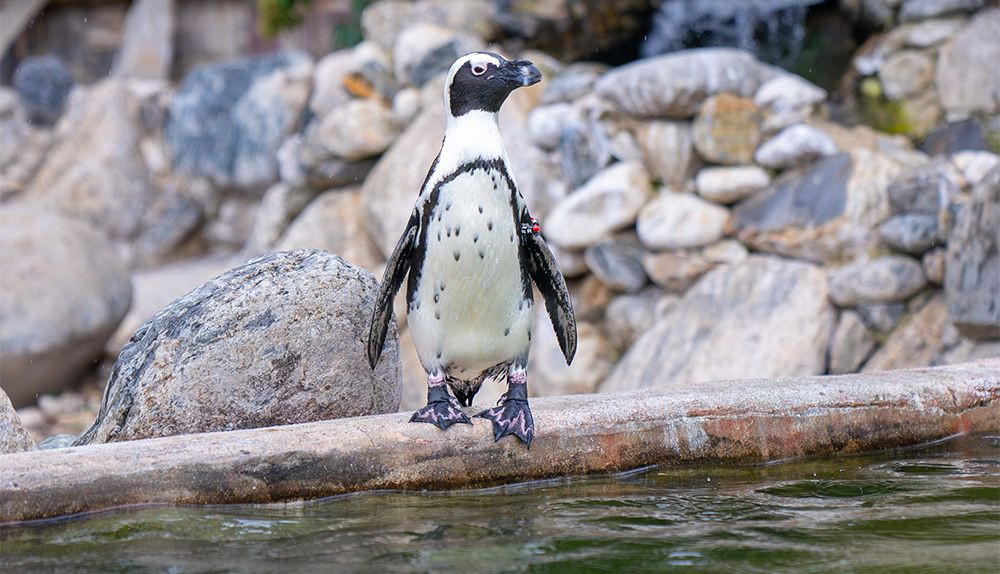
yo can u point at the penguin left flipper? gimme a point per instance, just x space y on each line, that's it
395 271
545 274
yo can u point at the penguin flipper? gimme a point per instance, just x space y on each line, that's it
395 271
545 274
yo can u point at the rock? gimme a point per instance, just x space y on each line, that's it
675 85
726 129
279 340
575 81
96 172
730 184
928 189
328 90
974 165
972 272
931 32
786 100
667 150
230 229
43 84
334 222
678 220
227 120
881 317
933 263
546 124
281 204
406 105
915 342
13 436
905 73
424 50
954 137
825 213
887 279
548 373
63 293
382 22
793 146
392 186
870 58
179 209
966 78
357 130
590 298
610 201
675 271
617 262
851 345
787 92
912 10
155 288
727 251
22 147
921 113
147 46
582 152
291 170
911 233
695 342
571 263
629 315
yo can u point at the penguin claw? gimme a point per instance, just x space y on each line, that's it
512 417
441 413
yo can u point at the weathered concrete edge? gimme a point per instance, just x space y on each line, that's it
740 421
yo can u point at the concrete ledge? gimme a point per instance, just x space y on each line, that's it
739 421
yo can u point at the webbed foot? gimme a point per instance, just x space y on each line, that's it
512 416
442 410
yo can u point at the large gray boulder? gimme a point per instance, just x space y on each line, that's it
766 317
972 271
147 49
62 293
227 120
966 79
13 436
675 85
824 213
278 340
96 172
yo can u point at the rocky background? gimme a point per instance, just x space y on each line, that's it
206 243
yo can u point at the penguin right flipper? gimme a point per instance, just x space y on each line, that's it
395 271
545 274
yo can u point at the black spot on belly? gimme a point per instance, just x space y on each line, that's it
475 238
456 255
437 297
512 238
437 314
439 236
442 286
481 254
480 209
506 332
448 230
457 230
489 225
448 207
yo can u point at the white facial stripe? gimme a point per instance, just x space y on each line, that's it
475 58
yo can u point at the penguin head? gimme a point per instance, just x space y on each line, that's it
483 80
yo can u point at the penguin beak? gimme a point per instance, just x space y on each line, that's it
520 73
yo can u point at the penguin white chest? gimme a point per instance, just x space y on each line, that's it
469 311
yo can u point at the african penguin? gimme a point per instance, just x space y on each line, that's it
471 252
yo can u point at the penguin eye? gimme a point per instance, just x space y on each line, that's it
479 69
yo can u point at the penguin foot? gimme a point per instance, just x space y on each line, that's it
442 410
511 417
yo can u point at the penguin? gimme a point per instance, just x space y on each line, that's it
470 253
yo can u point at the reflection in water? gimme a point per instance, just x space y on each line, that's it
935 509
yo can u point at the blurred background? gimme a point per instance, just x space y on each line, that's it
734 189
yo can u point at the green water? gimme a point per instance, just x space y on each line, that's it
932 509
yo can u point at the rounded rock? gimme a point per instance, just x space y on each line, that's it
63 293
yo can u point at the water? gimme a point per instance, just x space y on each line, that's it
932 509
